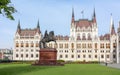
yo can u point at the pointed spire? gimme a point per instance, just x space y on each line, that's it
119 27
112 29
111 23
19 25
72 21
111 20
94 16
38 26
72 12
119 24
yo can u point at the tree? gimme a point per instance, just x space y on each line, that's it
6 9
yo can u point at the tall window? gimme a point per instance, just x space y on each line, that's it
95 56
17 44
102 56
61 56
27 45
16 55
89 56
66 56
66 45
32 44
108 56
22 44
36 55
72 45
21 55
83 45
95 45
37 44
84 56
83 36
102 45
61 45
31 55
72 56
26 55
107 45
78 56
89 45
78 37
78 45
114 45
89 37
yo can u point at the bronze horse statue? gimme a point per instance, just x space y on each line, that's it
47 38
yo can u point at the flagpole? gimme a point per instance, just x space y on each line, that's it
82 12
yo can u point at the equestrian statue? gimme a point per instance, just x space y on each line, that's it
47 38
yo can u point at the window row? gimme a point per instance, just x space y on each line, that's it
22 50
84 45
27 55
85 56
27 45
60 45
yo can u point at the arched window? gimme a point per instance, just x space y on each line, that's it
37 44
72 45
78 56
66 56
36 55
60 56
78 37
31 55
26 55
89 36
21 55
72 56
96 46
27 45
17 55
22 45
32 44
83 36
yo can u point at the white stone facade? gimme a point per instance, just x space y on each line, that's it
83 44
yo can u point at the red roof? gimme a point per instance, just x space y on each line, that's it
83 23
105 37
28 32
60 37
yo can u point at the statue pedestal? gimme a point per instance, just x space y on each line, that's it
47 56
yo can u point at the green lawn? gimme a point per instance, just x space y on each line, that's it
69 69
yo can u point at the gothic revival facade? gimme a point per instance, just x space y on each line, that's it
83 43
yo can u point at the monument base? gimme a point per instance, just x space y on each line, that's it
48 56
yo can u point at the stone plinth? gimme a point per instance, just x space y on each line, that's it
47 56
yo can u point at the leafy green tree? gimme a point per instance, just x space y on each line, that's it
6 9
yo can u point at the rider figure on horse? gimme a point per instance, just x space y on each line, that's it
47 38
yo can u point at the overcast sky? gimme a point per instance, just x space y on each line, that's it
56 15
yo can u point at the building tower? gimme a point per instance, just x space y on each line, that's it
118 44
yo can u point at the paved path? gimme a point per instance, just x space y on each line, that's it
113 65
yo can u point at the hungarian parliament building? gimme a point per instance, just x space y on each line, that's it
83 43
